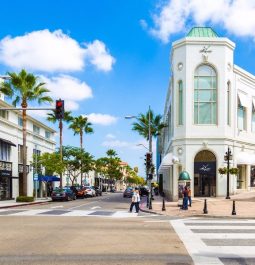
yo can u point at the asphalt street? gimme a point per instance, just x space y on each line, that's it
61 233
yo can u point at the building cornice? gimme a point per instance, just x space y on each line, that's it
19 113
203 41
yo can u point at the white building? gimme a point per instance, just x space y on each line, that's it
40 139
210 107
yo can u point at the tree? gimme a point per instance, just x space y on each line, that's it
67 118
80 125
142 125
77 161
24 87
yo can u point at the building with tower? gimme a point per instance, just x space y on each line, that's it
209 108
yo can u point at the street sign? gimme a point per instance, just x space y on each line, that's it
35 177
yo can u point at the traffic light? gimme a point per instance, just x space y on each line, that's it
148 160
60 109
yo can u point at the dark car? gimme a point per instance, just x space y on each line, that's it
144 191
79 191
128 193
98 190
63 194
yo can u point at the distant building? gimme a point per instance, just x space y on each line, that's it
40 139
210 107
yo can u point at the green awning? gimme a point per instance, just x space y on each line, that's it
184 176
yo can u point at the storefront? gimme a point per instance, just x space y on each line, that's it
5 180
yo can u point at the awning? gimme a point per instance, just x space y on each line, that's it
244 158
243 99
48 178
7 142
169 159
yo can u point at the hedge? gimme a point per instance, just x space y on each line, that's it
24 199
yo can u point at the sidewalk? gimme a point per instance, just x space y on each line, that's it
216 207
13 203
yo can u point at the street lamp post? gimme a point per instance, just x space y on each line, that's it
228 157
149 173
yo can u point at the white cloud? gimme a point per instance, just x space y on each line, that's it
115 143
236 16
53 51
110 136
98 55
101 119
68 88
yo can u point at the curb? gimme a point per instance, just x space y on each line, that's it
151 212
25 204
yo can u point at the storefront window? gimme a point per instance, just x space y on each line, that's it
5 150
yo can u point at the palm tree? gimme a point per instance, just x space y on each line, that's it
142 125
24 87
67 118
80 125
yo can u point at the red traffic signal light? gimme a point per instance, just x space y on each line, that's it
148 159
60 110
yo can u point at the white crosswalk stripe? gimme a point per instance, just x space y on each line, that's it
218 241
61 212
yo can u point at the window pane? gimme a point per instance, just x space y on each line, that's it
214 113
240 118
196 113
205 83
196 95
204 95
205 70
204 113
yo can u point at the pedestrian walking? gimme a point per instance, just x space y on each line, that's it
189 196
138 199
133 201
185 198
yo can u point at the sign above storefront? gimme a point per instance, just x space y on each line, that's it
207 168
5 169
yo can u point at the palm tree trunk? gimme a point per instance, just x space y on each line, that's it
61 146
24 116
81 144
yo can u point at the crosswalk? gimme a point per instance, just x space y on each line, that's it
218 242
62 212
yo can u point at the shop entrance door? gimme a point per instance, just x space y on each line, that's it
205 174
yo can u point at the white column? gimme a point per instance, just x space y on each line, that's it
248 177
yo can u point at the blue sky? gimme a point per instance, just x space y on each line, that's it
110 58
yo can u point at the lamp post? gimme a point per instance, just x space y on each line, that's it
228 157
150 150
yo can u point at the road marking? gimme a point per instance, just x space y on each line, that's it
95 207
159 221
59 206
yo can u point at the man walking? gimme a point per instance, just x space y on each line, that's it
137 200
133 201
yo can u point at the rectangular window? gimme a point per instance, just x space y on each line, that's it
253 120
47 135
36 129
5 151
20 121
4 114
228 104
180 97
241 118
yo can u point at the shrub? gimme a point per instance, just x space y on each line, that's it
24 199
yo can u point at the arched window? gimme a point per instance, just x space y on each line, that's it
205 95
228 103
180 103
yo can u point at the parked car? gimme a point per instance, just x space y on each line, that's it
79 191
128 193
97 190
64 194
144 191
90 191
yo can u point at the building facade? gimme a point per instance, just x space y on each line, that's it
40 139
210 107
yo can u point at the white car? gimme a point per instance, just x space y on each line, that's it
90 191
